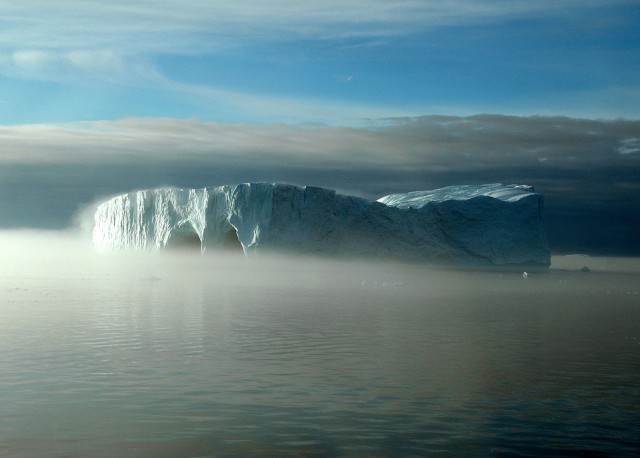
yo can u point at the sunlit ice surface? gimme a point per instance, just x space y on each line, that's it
182 354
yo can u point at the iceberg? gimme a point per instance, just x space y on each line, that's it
491 225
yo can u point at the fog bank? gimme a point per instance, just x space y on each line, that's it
52 257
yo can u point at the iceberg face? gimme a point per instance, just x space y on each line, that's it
486 225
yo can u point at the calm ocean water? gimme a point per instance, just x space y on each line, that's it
191 357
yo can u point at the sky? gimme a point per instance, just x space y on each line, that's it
366 97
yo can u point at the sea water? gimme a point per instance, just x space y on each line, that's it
176 355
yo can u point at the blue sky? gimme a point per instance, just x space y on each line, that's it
368 97
285 61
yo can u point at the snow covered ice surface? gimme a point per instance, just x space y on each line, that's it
470 225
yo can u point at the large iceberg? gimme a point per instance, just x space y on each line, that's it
480 225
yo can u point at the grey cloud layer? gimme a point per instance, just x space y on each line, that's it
588 170
452 143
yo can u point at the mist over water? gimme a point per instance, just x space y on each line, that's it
177 354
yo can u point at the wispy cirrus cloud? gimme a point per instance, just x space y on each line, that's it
43 29
73 66
200 26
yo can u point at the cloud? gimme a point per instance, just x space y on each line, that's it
279 107
443 142
629 145
75 66
194 26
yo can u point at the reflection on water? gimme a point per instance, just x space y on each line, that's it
193 357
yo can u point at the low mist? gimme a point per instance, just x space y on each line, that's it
69 256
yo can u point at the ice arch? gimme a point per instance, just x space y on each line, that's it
184 238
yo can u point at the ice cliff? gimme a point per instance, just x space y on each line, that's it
484 225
